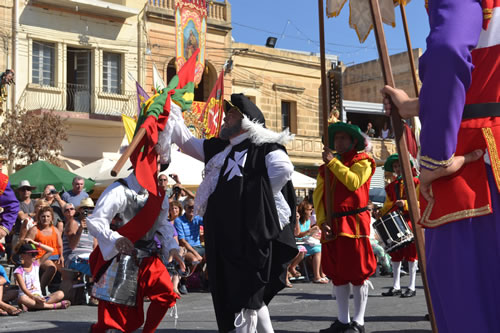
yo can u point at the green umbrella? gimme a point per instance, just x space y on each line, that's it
42 173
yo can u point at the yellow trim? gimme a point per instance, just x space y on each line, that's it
4 229
353 236
493 152
467 213
436 162
357 224
428 166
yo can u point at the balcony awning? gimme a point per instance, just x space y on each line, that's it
94 6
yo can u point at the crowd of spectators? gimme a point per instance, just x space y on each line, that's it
47 245
50 246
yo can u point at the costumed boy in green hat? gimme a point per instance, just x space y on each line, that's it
395 200
347 256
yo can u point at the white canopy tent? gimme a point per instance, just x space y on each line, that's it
189 170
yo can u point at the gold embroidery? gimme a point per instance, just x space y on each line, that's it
4 229
493 152
426 222
357 225
436 162
352 236
428 166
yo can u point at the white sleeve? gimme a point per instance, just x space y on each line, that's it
111 202
181 135
279 169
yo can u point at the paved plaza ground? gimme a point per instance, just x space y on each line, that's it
307 307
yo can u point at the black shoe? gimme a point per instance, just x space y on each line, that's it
392 292
408 293
336 327
182 289
355 328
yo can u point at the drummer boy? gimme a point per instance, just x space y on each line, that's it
395 200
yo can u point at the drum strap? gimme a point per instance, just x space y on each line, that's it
349 212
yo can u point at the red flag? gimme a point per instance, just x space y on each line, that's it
212 114
153 120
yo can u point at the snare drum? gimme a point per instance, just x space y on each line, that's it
394 231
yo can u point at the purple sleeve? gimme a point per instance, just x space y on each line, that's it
10 205
445 71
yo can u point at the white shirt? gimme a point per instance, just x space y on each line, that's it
113 201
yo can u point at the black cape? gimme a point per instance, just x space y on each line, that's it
247 252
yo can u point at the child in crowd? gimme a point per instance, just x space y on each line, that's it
27 277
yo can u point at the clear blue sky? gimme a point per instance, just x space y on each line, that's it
295 24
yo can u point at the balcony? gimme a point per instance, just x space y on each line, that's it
106 8
218 13
77 98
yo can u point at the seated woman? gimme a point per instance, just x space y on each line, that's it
27 278
44 232
310 236
29 222
78 243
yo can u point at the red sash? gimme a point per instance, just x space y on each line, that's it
134 230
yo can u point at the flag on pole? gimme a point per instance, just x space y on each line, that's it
360 17
212 114
153 119
129 125
142 97
158 83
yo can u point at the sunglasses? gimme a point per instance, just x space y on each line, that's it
24 189
162 180
189 207
69 209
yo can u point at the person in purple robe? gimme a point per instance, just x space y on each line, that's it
459 105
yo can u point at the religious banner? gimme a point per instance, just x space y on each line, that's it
213 113
190 32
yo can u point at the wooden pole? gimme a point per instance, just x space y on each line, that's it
125 156
402 148
410 50
324 101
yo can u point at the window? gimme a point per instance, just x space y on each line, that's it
43 63
111 80
289 116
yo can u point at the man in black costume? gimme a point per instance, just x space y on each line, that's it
248 206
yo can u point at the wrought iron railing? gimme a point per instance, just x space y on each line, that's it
77 98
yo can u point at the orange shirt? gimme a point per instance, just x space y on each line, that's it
47 240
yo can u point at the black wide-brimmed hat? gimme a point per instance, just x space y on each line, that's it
246 107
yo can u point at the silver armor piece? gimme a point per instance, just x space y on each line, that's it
119 283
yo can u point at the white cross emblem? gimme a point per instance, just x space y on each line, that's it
233 166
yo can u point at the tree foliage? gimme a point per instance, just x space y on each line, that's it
27 137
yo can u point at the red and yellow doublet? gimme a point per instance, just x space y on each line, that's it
408 252
348 258
476 133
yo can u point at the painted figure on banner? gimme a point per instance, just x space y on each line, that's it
190 32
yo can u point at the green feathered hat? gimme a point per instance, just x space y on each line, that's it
353 130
